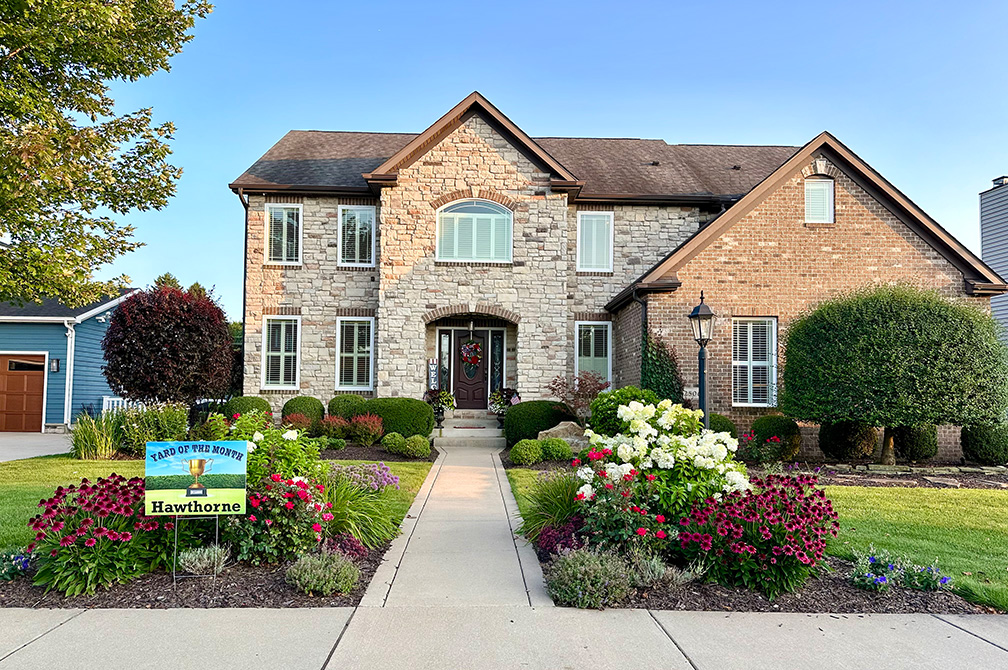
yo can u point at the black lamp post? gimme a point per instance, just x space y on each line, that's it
702 320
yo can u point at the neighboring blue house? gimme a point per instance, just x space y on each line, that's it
51 363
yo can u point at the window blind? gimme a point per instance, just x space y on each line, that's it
281 352
595 241
284 234
753 361
593 349
354 354
473 230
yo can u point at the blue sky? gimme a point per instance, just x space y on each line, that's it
915 88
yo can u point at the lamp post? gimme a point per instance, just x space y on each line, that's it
701 320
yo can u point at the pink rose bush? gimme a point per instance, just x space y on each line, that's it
287 518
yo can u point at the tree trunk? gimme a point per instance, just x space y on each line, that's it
888 454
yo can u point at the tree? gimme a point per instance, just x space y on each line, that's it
197 290
167 280
895 356
68 162
165 345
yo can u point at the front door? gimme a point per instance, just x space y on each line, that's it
470 369
22 383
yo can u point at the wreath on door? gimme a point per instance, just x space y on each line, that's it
472 354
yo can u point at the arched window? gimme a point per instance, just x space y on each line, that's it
474 230
818 199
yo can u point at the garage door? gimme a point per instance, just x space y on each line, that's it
22 384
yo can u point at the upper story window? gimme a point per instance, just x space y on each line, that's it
754 362
594 241
474 230
818 200
283 225
356 236
281 344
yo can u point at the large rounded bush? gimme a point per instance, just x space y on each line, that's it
722 424
394 443
526 420
986 444
556 449
310 407
526 452
406 416
918 442
417 446
603 409
783 427
847 440
347 405
244 404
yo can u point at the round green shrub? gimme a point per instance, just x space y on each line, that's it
986 444
556 449
783 427
311 408
917 443
722 424
337 443
417 446
394 443
347 405
243 404
604 407
847 440
527 452
406 416
588 579
526 420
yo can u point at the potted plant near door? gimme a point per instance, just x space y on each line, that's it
439 401
502 399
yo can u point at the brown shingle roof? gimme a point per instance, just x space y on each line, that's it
608 166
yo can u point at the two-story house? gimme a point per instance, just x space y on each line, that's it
479 257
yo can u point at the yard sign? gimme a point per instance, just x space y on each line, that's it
195 478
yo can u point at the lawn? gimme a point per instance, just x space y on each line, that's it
965 529
23 483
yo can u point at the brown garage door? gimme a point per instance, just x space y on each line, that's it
22 384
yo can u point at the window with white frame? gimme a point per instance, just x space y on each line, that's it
593 348
280 352
594 241
357 236
754 361
818 200
354 346
284 231
474 230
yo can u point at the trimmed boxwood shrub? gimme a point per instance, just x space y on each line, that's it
243 404
604 407
347 405
526 452
405 416
556 449
417 446
783 427
847 440
722 424
311 408
986 444
394 443
526 420
918 442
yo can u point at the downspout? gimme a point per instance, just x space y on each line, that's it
643 327
71 335
245 203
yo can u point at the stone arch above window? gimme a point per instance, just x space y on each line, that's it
474 230
475 194
478 308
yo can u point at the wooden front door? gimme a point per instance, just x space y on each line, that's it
471 381
22 384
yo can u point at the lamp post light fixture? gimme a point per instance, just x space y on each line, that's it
702 320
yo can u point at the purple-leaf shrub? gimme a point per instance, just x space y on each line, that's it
554 539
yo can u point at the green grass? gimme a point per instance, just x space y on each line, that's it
965 529
24 483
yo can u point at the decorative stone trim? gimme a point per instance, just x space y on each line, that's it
823 167
592 316
284 199
366 394
475 308
471 264
473 192
282 311
581 273
355 268
353 311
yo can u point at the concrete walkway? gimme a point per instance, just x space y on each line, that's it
15 446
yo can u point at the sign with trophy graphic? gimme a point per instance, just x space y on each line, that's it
195 478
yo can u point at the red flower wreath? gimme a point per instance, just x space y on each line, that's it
471 352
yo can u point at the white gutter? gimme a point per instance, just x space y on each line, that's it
68 392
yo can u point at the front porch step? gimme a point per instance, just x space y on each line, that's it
469 440
471 431
470 414
471 423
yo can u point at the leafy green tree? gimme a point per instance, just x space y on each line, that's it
68 162
895 356
167 280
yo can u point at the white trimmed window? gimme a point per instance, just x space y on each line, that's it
474 230
594 241
593 348
754 362
281 346
818 200
283 226
354 348
356 236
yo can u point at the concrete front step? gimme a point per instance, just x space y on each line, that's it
471 423
470 414
469 441
450 431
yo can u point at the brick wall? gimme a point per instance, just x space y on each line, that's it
627 346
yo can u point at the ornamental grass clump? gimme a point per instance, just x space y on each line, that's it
153 423
99 437
588 579
550 503
323 574
769 538
362 512
96 534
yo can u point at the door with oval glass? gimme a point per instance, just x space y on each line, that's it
470 369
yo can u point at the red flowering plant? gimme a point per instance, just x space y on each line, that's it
96 534
286 519
366 429
770 537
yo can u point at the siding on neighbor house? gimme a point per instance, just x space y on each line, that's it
994 244
89 383
41 337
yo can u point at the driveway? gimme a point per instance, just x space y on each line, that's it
15 446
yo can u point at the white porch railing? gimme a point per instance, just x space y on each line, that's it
114 404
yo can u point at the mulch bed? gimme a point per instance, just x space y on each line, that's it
541 465
356 452
240 585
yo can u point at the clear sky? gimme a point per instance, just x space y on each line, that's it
918 89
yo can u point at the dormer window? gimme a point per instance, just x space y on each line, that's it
474 230
818 199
